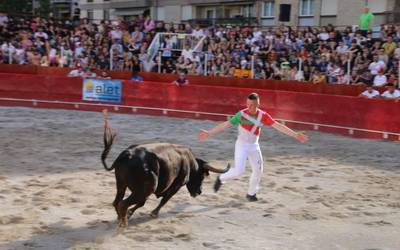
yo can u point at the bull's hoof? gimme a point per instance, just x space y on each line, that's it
123 223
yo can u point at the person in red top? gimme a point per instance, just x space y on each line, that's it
249 122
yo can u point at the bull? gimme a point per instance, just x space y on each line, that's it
156 168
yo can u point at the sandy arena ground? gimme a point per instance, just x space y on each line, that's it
330 193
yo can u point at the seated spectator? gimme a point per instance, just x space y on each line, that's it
370 92
318 77
391 92
168 67
354 77
393 79
181 80
366 78
136 77
380 79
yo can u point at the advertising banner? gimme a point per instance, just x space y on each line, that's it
102 90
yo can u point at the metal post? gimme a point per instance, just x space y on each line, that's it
9 54
111 57
348 70
205 63
252 67
300 63
62 56
159 62
398 78
300 70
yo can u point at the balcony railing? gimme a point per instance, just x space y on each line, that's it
224 21
61 1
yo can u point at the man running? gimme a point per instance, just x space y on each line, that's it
249 122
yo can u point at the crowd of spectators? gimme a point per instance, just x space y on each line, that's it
325 54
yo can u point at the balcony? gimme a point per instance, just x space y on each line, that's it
130 4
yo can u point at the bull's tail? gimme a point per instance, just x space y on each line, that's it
109 136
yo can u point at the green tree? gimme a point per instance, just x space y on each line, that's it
14 7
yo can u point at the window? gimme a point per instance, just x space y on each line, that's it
90 14
106 14
269 9
306 7
89 1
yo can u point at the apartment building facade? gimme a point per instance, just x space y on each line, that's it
262 12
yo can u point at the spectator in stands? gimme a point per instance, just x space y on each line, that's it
380 79
391 92
169 67
370 92
318 77
366 21
89 73
181 80
136 77
104 75
354 77
229 49
375 66
3 19
78 72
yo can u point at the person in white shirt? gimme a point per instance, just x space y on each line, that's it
41 34
391 92
249 122
78 72
187 53
3 19
116 33
197 32
380 79
341 48
370 92
376 65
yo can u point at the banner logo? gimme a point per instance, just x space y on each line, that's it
102 90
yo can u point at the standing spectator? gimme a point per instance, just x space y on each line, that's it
391 92
370 92
181 80
136 77
366 21
78 72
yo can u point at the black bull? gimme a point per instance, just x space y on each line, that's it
159 168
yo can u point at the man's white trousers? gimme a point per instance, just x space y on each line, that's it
242 152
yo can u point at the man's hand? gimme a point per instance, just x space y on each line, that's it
301 137
203 135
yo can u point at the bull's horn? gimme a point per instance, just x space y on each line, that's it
216 170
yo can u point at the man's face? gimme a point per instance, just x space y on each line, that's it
252 105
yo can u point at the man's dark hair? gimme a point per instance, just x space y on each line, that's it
253 96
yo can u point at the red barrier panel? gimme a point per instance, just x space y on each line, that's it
332 110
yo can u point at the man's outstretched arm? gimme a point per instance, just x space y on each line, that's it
204 134
287 131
